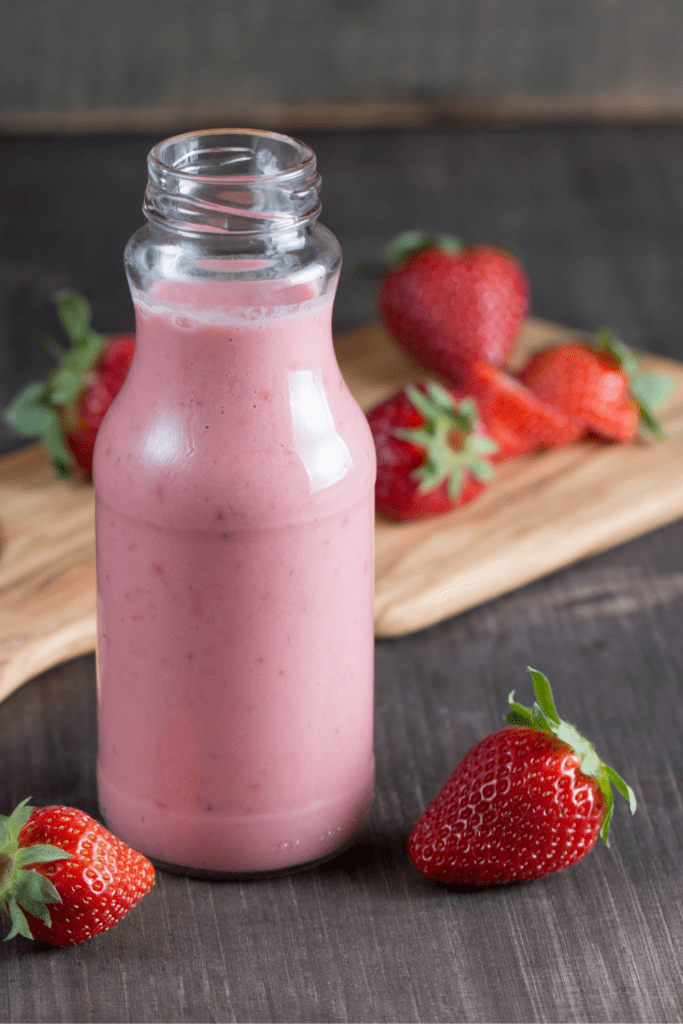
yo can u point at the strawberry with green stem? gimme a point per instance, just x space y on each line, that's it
64 877
449 304
524 802
598 383
432 451
65 411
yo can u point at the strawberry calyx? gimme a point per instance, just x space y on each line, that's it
544 717
44 410
21 888
409 243
450 439
647 389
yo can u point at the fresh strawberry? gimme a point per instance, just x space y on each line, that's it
599 384
522 803
431 452
515 417
65 411
62 857
448 304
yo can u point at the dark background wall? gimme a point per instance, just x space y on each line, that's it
152 64
552 126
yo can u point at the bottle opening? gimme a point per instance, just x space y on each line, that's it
232 181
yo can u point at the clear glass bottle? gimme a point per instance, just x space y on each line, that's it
234 478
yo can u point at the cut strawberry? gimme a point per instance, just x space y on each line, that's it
599 384
515 417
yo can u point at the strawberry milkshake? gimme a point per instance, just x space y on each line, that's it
234 478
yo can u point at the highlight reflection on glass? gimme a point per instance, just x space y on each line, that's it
322 451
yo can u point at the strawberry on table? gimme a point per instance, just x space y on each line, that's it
64 877
449 304
66 410
599 384
432 451
524 801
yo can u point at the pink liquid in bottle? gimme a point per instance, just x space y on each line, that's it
234 478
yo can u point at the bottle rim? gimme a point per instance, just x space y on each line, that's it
267 182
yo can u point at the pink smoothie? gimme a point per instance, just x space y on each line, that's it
234 477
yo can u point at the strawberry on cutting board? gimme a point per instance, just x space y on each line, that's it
524 801
599 384
516 418
65 411
432 452
64 877
449 304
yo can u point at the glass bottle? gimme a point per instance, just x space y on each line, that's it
234 478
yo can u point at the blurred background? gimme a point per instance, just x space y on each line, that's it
550 126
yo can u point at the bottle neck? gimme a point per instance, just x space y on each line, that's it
241 190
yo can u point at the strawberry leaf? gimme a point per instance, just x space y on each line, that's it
66 385
452 447
32 414
13 824
29 894
544 695
74 312
408 243
647 389
544 717
481 470
21 887
622 786
519 714
41 853
608 795
19 922
651 388
607 342
84 355
29 411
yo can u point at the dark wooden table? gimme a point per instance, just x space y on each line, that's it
597 216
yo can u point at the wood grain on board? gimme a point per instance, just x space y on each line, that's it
542 512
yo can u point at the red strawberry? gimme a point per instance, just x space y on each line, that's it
431 451
63 857
600 384
515 417
448 305
522 803
65 411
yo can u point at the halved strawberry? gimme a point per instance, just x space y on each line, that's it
515 417
599 384
65 411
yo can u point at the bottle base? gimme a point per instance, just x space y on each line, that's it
242 846
254 876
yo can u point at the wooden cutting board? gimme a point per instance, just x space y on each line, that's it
542 512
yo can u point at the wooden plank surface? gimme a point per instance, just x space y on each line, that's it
542 512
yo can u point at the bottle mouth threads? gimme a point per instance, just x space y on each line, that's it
232 181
